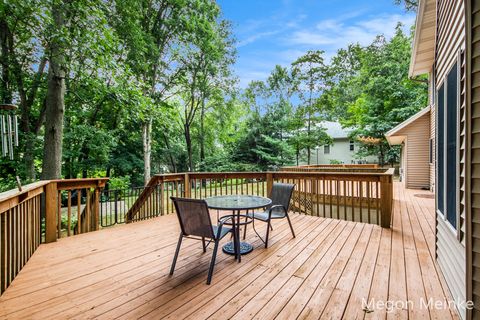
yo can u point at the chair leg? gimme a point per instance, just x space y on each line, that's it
290 224
268 231
212 262
204 245
176 254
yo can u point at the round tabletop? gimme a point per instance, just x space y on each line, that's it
237 202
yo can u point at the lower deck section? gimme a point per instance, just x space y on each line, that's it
333 269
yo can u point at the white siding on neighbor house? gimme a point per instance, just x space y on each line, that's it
339 151
416 154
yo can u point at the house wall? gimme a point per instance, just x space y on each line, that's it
450 249
472 146
339 150
416 153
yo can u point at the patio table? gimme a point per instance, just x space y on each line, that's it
236 204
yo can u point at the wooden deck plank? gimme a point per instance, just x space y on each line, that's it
329 270
397 281
275 262
415 288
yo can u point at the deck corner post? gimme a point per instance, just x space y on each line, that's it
51 212
269 183
386 199
187 187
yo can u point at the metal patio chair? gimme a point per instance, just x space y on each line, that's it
280 195
195 223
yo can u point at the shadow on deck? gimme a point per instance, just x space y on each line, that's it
330 270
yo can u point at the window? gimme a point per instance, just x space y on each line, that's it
447 152
352 145
441 147
326 149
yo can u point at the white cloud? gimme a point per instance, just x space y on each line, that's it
336 34
255 37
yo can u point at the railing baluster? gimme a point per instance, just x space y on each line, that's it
69 205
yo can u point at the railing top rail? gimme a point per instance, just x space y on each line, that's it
206 175
366 165
11 198
65 184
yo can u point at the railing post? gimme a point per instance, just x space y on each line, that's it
186 183
269 183
51 212
386 200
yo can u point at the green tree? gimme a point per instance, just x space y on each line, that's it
309 75
379 94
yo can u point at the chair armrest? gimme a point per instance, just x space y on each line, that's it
221 222
275 207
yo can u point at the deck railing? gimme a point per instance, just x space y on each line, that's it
333 167
364 196
35 214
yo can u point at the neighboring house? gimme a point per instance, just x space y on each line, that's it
447 48
416 154
341 150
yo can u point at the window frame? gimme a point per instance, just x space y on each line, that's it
325 148
444 215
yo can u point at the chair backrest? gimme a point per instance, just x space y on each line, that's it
281 194
194 217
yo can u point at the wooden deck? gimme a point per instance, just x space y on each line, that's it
325 272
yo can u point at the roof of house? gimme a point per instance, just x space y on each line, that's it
394 137
423 48
334 129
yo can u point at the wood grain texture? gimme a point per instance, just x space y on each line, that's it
328 271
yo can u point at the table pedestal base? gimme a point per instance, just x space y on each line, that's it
245 248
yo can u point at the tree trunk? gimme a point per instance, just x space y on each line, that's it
147 149
202 134
52 151
188 141
308 139
5 90
172 160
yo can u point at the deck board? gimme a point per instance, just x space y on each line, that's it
327 271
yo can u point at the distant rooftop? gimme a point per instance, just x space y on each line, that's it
334 129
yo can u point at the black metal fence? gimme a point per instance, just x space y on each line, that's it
114 204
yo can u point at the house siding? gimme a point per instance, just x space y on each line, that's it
472 114
339 151
416 166
450 246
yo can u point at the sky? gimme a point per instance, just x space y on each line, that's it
271 32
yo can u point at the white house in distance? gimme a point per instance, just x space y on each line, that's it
342 149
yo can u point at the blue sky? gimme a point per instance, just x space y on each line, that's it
271 32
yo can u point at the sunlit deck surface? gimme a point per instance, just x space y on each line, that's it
326 271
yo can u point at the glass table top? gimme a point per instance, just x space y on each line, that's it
237 202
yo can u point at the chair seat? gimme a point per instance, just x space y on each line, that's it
224 231
264 215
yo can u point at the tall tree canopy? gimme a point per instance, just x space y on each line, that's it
127 88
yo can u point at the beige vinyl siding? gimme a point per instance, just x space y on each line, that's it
473 155
450 41
450 35
452 264
416 152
